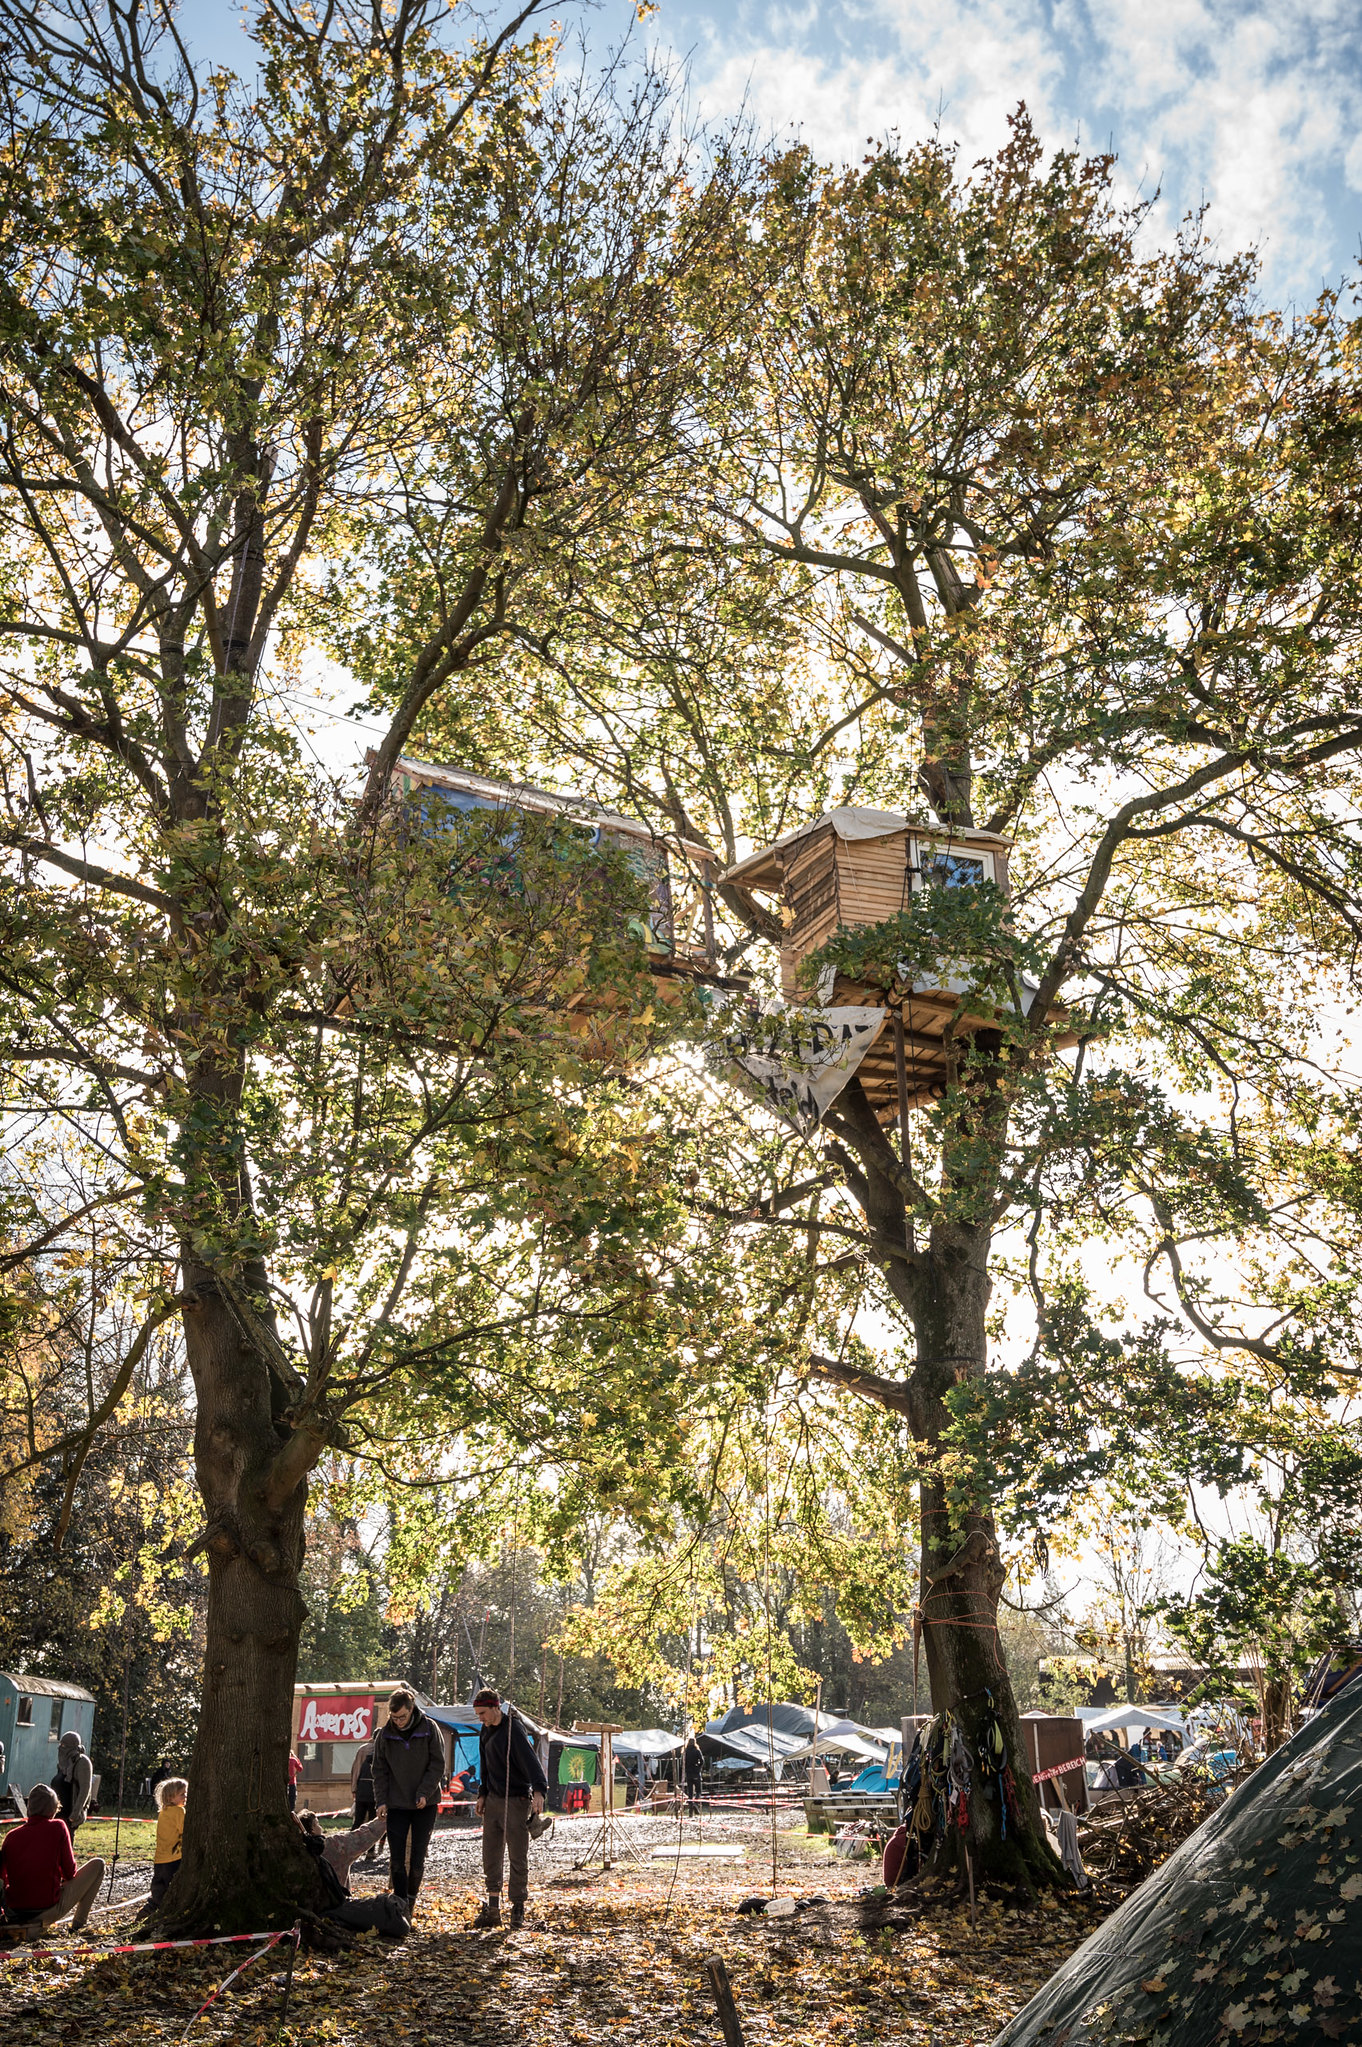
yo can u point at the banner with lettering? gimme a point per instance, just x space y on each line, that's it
336 1719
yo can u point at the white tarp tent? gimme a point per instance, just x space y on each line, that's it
646 1741
842 1745
1112 1717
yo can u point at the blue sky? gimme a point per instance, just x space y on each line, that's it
1254 106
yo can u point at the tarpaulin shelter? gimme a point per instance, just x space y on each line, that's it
784 1716
461 1724
738 1740
1251 1931
647 1741
843 1739
1133 1718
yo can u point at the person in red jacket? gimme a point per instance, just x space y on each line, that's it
42 1883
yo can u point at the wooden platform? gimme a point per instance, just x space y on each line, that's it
825 1815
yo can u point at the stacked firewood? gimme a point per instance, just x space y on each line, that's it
1123 1838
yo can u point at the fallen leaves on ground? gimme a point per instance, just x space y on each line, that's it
604 1957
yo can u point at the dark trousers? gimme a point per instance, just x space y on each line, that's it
365 1810
162 1877
693 1789
409 1832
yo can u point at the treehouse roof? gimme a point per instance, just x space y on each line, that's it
483 792
763 868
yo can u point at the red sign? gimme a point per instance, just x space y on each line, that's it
336 1719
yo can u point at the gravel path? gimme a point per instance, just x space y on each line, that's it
455 1853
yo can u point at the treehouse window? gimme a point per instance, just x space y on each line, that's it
944 867
24 1717
54 1724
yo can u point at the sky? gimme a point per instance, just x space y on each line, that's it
1252 107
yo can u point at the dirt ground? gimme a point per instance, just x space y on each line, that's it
615 1956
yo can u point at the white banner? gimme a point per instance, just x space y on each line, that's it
797 1061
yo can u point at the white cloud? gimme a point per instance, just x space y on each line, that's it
1253 105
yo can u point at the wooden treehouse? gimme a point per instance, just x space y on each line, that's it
856 866
678 926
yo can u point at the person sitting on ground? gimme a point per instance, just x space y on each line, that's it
172 1795
72 1783
341 1851
388 1914
409 1762
513 1791
41 1880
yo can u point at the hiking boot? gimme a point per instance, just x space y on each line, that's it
490 1914
517 1915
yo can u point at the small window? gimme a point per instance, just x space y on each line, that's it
24 1717
54 1729
944 867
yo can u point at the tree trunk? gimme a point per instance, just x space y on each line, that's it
1276 1712
961 1569
244 1866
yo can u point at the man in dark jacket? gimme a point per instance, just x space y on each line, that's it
512 1794
409 1763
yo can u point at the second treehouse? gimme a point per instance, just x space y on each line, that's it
857 867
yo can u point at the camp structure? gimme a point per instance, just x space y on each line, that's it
677 928
330 1724
852 867
1250 1931
35 1712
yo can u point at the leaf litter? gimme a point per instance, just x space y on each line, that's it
615 1956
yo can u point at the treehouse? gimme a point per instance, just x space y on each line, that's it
855 867
677 927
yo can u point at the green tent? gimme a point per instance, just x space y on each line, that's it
1250 1933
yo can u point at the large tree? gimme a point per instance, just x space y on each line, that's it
1000 517
319 1052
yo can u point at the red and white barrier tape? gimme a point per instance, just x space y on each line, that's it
1060 1770
294 1933
144 1947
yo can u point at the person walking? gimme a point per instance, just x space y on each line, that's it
75 1775
692 1769
409 1761
38 1869
512 1788
362 1791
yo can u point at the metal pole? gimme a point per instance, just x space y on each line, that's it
288 1978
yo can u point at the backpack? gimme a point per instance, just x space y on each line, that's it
382 1912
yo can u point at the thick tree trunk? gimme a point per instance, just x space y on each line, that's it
244 1865
961 1567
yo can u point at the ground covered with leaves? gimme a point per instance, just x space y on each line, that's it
613 1956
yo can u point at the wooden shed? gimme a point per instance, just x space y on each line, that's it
857 866
679 875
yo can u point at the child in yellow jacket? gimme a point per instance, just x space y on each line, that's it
171 1794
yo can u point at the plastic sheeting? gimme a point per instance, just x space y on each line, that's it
1132 1717
1251 1932
646 1741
